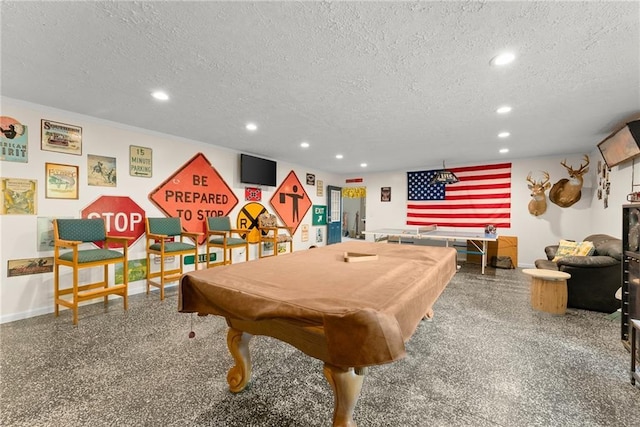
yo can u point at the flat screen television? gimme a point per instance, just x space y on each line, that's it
257 171
622 145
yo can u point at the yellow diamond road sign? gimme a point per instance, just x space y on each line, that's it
248 218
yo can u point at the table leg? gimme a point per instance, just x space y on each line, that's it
484 254
239 375
549 296
346 385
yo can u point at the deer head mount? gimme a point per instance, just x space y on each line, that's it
538 203
566 192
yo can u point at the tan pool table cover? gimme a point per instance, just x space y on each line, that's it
368 310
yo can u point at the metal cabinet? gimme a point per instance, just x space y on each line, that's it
630 268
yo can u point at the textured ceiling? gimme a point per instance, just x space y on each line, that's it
398 85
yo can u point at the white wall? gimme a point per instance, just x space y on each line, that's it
587 216
26 296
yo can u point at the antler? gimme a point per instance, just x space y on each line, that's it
542 182
530 180
570 168
585 165
546 178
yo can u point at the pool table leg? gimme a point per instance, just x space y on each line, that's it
239 375
346 385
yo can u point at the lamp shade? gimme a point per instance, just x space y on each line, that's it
444 176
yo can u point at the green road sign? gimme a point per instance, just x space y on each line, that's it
319 215
201 258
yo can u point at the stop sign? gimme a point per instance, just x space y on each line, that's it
122 216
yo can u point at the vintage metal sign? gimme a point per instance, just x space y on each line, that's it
122 217
140 161
319 215
13 140
291 202
193 193
248 219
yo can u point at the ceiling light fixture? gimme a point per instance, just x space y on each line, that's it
503 134
160 95
339 156
504 150
251 127
444 176
363 165
503 59
503 110
304 144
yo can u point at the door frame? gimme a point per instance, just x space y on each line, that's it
334 216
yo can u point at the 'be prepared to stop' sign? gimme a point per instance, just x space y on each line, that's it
193 193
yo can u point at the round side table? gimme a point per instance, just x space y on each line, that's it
548 290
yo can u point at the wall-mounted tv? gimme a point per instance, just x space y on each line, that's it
257 171
622 145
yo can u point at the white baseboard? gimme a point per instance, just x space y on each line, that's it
139 288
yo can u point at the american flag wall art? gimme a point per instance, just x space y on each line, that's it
481 197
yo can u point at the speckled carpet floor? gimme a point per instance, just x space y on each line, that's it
487 359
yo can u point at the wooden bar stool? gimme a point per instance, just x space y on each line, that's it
548 290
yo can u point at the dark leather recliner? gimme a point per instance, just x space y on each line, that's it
594 278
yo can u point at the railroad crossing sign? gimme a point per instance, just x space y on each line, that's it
248 218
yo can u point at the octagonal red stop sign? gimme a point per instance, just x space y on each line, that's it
122 216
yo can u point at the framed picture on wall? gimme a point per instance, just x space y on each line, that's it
14 141
385 194
311 179
26 266
61 137
44 228
20 196
60 181
101 171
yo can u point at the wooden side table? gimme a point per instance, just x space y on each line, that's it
548 290
635 327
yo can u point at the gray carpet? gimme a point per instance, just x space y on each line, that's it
487 359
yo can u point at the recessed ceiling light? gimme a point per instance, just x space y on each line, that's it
363 165
251 127
503 59
503 134
304 144
504 109
339 156
160 95
504 150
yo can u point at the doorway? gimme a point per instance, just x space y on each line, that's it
334 214
354 212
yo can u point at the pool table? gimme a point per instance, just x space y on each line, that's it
350 315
